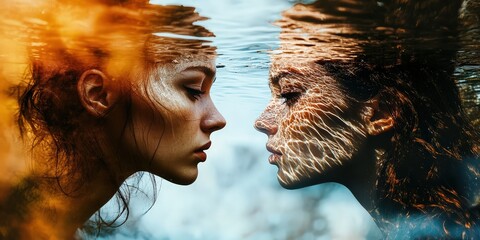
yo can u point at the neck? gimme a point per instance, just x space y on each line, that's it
360 179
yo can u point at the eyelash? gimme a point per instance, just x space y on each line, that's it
290 98
194 93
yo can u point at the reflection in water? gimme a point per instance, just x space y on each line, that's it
67 147
390 31
363 94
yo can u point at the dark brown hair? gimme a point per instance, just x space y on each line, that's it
427 177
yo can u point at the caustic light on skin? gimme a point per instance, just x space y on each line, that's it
311 127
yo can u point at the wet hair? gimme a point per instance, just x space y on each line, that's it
427 177
403 54
60 133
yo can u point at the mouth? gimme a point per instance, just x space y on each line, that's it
204 147
276 155
199 152
272 150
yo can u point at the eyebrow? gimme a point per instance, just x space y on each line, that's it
275 78
207 70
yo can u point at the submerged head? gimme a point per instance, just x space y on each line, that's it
353 104
106 89
403 149
131 105
160 122
119 97
315 126
170 119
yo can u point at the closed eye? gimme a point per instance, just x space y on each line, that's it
194 93
291 97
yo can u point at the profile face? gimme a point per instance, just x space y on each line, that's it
311 126
172 118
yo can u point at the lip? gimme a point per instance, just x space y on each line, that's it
204 147
199 152
202 156
275 156
272 150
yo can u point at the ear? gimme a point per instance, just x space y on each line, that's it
97 92
377 120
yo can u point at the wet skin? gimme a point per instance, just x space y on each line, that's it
173 117
312 127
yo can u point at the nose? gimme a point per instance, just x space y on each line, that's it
266 123
214 121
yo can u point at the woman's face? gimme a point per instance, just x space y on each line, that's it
172 118
312 128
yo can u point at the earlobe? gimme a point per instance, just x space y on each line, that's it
377 120
97 93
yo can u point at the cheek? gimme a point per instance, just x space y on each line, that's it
184 121
174 102
165 94
309 117
318 127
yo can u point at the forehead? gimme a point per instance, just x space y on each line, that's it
205 64
307 72
315 78
278 73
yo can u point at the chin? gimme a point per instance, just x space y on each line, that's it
291 184
296 183
184 178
